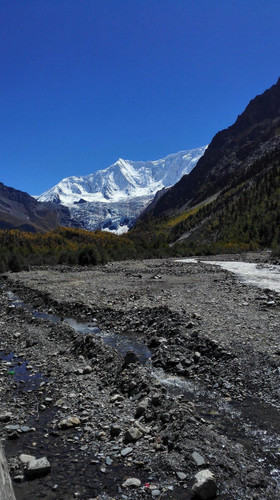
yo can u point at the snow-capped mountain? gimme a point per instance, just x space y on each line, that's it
113 198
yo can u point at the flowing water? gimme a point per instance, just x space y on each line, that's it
260 275
121 343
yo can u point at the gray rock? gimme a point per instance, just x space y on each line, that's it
156 398
5 417
181 475
37 468
126 451
11 428
196 357
115 430
132 482
87 370
190 324
116 398
25 428
142 407
205 487
18 478
67 423
155 493
25 459
199 460
132 435
6 489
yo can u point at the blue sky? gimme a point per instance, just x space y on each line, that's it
84 82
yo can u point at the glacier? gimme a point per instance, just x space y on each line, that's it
113 198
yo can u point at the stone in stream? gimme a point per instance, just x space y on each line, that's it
132 482
205 487
37 468
132 435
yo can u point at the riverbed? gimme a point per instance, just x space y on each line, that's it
207 368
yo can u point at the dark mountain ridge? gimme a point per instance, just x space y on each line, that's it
256 132
19 210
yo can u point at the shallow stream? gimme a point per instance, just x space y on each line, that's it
260 275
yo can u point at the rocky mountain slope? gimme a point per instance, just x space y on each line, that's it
232 151
240 164
113 198
19 210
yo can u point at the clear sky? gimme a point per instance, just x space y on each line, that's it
84 82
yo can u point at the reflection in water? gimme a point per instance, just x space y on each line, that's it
120 342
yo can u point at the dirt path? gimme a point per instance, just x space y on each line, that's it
208 398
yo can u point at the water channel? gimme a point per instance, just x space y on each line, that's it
260 275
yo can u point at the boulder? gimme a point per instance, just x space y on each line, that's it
37 468
205 487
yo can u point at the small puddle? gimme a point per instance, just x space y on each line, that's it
120 342
17 369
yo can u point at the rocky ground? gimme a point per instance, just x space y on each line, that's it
191 411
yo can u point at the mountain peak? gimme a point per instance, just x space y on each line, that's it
124 179
120 183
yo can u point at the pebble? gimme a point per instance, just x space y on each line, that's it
199 460
155 493
132 482
115 430
132 435
181 475
126 451
68 422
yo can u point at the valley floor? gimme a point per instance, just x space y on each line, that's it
207 398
